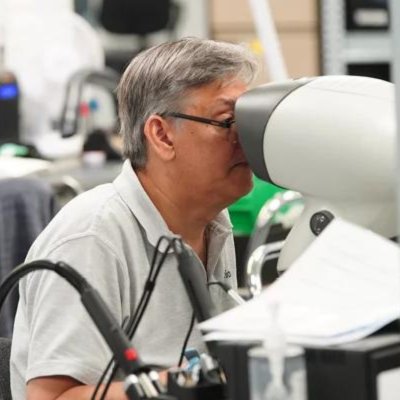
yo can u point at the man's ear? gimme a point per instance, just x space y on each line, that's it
160 137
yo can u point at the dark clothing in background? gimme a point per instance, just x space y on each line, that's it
26 206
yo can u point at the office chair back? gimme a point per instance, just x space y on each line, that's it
26 206
138 17
5 350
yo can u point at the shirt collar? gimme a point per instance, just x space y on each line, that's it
132 193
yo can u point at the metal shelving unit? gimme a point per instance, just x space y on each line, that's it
344 49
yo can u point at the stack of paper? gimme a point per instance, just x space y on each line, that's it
345 286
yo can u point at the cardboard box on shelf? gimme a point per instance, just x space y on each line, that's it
300 51
235 15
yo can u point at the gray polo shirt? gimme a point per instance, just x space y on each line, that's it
109 235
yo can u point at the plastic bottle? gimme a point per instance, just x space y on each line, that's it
275 346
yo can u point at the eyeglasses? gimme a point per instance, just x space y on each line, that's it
227 123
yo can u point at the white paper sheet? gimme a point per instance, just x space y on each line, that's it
345 286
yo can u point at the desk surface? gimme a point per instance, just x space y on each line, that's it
87 176
70 177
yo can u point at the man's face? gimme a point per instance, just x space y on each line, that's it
210 162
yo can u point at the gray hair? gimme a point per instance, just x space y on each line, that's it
157 79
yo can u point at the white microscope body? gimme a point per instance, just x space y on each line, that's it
333 139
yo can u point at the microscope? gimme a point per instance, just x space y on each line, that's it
330 138
333 140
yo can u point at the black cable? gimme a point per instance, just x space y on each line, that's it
103 375
145 298
142 302
91 300
234 295
148 279
62 269
150 286
127 328
140 309
185 342
221 284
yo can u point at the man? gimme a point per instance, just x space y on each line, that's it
184 167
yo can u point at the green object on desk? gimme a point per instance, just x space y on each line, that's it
244 211
14 150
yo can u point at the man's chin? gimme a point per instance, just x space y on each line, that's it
244 183
245 175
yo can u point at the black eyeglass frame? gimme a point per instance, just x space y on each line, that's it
227 123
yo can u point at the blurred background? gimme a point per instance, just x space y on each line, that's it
60 61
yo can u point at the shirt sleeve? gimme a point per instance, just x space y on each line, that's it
63 340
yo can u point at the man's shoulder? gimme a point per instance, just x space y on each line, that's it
92 207
99 213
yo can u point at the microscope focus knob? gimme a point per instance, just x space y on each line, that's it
320 220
